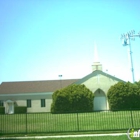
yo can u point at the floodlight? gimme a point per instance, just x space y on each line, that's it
139 33
133 39
126 41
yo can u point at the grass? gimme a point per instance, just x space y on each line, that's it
49 123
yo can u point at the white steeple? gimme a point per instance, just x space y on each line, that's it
96 59
96 64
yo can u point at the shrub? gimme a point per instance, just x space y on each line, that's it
20 109
2 110
124 96
74 98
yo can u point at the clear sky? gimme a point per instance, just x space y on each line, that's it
41 39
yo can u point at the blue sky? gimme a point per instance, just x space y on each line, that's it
41 39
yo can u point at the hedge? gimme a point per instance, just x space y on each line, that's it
20 109
2 110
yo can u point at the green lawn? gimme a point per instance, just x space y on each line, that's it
47 122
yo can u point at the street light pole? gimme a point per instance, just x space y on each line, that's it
126 41
60 76
131 59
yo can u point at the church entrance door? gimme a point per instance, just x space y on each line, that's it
100 101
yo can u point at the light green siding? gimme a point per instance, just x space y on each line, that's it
99 80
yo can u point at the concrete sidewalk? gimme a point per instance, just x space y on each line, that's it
64 136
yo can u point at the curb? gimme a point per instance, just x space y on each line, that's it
64 136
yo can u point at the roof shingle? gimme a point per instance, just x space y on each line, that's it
34 86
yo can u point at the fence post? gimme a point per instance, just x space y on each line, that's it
26 123
77 122
131 118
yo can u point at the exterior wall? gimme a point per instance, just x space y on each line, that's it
99 81
21 100
20 103
36 106
25 96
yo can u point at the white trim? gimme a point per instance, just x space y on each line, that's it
25 94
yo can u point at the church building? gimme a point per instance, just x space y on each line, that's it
37 95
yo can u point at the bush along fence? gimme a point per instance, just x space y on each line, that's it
69 122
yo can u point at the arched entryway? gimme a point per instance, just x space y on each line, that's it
9 107
100 100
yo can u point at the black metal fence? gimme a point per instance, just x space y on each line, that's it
68 122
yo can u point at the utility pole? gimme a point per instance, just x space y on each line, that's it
126 41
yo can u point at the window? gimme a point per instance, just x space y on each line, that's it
28 103
1 103
43 103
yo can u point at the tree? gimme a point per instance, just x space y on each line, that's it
124 96
72 99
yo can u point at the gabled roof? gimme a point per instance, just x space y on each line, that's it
46 86
34 86
94 73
